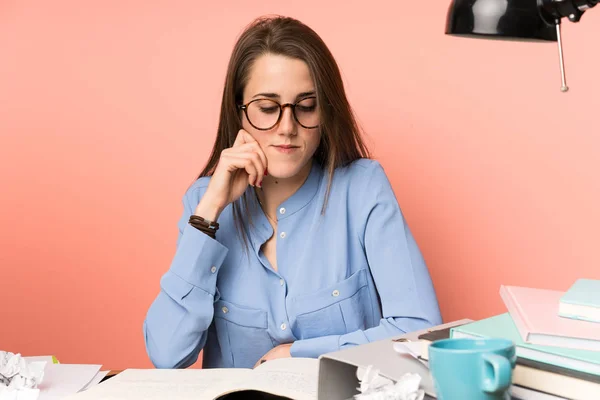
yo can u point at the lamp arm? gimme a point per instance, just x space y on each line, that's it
552 11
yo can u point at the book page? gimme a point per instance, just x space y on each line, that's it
160 384
296 378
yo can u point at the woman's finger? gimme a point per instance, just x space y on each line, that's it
242 161
251 148
258 166
245 140
262 155
243 137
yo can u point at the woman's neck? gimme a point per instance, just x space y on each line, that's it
275 191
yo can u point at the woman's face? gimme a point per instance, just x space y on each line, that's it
288 145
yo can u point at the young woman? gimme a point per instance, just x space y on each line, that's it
291 242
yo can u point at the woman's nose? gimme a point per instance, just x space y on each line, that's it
287 125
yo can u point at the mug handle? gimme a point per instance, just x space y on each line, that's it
501 377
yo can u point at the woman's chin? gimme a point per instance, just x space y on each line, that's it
282 174
279 171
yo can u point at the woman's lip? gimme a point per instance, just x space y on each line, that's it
286 149
286 146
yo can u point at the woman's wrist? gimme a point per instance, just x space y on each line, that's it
208 210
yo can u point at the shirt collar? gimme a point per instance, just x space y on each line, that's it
304 195
262 230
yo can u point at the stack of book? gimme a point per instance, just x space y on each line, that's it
557 338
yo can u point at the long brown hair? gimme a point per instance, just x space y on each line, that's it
341 141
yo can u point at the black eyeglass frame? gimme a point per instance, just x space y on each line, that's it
244 107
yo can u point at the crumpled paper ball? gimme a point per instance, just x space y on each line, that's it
19 379
375 387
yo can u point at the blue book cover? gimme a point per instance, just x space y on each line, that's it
502 326
582 301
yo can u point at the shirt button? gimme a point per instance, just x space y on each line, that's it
283 326
213 269
282 210
282 235
225 310
335 293
281 282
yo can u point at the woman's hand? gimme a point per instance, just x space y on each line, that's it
241 165
281 351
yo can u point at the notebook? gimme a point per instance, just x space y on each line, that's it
502 326
581 301
535 314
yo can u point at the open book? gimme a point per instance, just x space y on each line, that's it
287 378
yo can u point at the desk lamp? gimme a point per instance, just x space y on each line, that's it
522 20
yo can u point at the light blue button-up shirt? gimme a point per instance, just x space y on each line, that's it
346 277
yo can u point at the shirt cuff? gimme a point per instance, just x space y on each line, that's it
198 259
313 348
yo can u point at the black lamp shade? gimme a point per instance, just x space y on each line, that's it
499 19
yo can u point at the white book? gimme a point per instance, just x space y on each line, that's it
522 393
294 378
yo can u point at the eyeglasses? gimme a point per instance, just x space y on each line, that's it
264 114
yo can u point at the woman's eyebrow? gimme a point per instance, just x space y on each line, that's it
271 95
305 94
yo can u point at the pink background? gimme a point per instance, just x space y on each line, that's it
108 112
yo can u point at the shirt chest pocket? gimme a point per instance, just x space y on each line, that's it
242 333
338 309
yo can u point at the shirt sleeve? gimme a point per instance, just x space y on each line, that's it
407 295
176 324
